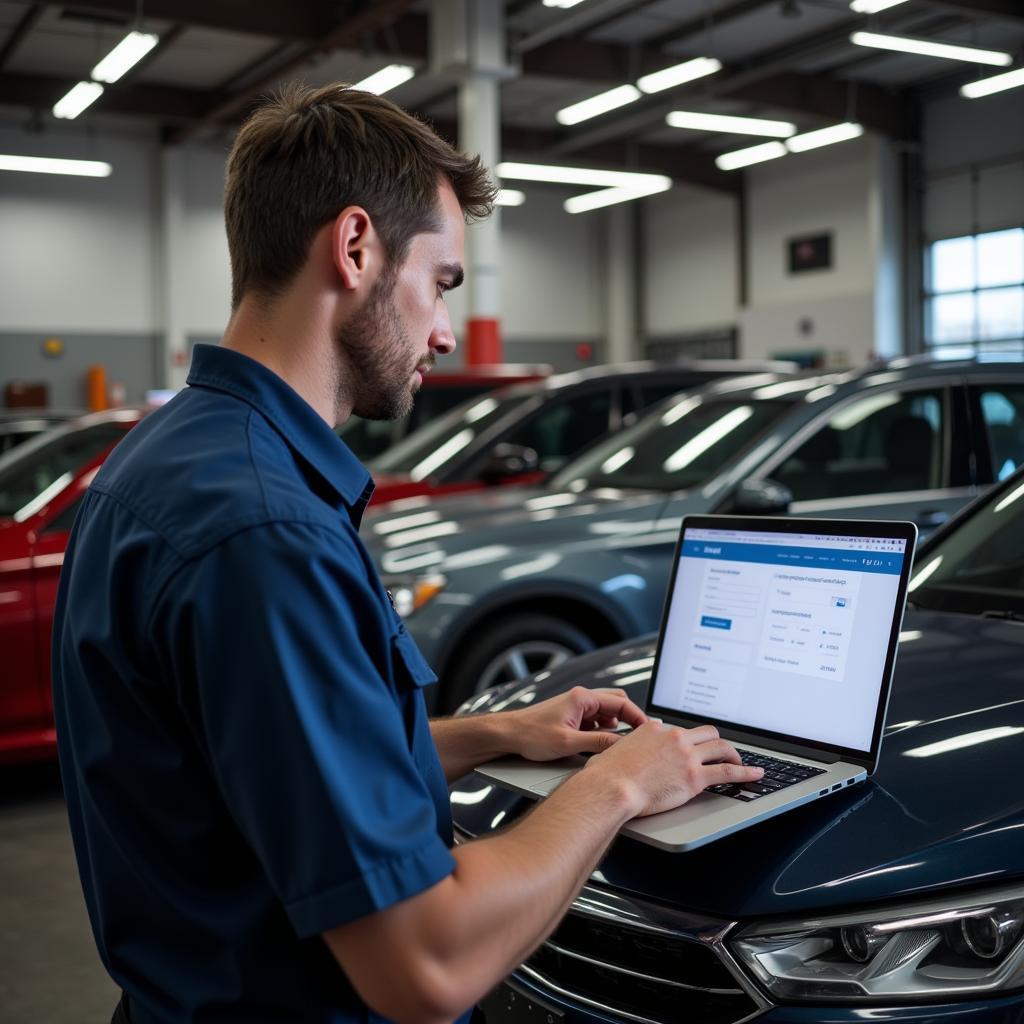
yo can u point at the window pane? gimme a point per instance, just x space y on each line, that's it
564 428
953 265
1001 258
1001 313
1002 408
882 444
951 318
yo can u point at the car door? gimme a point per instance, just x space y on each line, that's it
890 453
997 411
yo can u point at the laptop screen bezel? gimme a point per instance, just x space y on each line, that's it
887 530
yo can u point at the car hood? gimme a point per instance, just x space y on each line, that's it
508 519
944 809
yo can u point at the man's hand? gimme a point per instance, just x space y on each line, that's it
576 722
665 766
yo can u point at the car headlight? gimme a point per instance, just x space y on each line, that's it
946 947
410 593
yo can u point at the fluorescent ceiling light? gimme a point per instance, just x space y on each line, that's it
928 48
599 104
987 86
124 56
824 137
688 71
751 155
46 165
510 197
729 123
614 186
565 4
873 6
77 99
386 79
610 196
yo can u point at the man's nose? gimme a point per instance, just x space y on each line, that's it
442 338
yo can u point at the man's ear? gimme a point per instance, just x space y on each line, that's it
355 248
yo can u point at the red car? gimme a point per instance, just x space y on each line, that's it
41 484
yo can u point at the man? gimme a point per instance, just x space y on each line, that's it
258 802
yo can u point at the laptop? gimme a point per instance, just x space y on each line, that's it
783 634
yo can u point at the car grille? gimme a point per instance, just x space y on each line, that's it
642 962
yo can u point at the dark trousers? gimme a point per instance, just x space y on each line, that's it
121 1014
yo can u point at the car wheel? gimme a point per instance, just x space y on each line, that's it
511 650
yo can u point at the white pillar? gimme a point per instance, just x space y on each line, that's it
886 214
621 284
172 207
468 46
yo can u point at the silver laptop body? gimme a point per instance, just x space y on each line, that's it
783 634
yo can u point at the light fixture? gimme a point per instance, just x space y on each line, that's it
678 74
47 165
987 86
124 56
564 4
751 155
730 123
386 79
77 99
613 186
873 6
928 48
510 197
599 104
824 137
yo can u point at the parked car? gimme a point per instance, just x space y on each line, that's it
41 484
18 425
442 390
901 899
521 434
505 584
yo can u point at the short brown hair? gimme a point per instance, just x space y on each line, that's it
306 154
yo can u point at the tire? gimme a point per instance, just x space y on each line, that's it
507 650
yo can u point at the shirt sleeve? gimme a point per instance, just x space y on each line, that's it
281 654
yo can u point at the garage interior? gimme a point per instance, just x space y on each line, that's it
881 218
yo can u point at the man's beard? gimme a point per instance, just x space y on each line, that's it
377 357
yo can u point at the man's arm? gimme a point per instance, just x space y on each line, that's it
429 958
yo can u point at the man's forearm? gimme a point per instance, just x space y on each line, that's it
463 743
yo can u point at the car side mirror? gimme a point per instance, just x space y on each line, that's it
507 460
762 498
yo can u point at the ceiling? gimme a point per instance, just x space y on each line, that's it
782 59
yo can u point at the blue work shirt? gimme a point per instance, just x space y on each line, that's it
243 739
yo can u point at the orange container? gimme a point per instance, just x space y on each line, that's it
96 388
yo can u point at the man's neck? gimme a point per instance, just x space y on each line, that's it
293 338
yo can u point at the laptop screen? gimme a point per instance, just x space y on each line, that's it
783 632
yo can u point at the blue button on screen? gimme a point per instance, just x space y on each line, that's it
715 623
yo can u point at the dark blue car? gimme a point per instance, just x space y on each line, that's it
901 899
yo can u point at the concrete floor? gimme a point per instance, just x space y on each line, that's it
50 972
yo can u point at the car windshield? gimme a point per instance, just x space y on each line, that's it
979 566
37 471
428 449
679 445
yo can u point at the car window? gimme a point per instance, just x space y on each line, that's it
675 446
979 566
33 473
882 443
564 427
1002 411
431 448
368 438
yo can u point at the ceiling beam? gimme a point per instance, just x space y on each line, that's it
26 23
298 19
40 92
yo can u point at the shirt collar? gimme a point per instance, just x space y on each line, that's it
305 431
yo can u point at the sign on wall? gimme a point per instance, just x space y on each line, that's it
810 252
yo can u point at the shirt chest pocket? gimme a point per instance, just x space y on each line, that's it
409 666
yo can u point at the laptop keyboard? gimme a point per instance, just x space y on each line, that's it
778 774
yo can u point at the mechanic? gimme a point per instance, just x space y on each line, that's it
258 802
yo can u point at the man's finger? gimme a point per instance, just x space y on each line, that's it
716 774
591 742
718 750
616 703
703 734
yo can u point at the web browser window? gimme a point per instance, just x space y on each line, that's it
782 632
